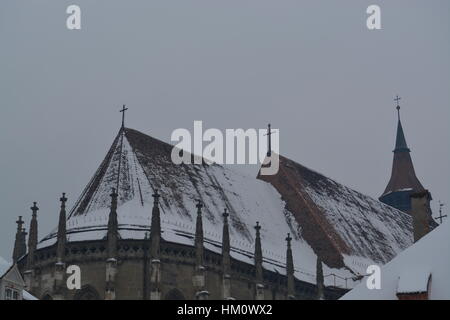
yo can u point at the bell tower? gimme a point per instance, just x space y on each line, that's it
403 182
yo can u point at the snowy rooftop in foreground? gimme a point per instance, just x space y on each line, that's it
4 266
146 165
410 270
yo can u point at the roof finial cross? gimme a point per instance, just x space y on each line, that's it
288 239
441 205
269 140
123 115
397 99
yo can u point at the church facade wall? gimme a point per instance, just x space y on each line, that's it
177 270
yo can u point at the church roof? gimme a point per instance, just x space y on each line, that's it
146 165
339 222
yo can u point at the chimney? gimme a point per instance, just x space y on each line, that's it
420 213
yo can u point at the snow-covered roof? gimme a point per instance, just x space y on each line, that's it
338 222
28 296
146 166
4 266
413 280
409 272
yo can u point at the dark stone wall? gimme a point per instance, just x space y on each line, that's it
177 269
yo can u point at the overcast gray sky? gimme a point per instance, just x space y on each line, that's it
311 68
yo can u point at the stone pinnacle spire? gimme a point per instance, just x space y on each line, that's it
18 243
226 258
113 233
199 235
33 236
290 269
258 264
61 238
155 229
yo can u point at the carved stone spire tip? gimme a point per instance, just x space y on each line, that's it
114 193
156 196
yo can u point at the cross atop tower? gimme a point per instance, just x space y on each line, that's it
440 217
123 115
269 140
397 99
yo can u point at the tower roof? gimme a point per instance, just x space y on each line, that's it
403 176
400 141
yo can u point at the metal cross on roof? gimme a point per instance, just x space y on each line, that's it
269 140
441 205
123 115
397 99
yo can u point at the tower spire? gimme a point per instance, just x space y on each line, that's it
400 141
403 181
